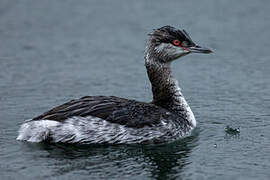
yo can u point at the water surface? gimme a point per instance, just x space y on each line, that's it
54 51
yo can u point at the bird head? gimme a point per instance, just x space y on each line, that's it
167 43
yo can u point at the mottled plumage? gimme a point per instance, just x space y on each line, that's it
122 111
114 120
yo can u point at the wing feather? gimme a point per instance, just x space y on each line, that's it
113 109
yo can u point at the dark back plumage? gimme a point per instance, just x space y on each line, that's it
122 111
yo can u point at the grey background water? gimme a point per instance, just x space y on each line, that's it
54 51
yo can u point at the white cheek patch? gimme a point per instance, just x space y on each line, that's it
170 49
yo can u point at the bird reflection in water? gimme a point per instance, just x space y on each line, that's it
161 161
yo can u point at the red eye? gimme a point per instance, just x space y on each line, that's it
176 42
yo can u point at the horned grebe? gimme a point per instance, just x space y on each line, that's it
114 120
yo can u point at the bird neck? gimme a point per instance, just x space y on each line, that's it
166 91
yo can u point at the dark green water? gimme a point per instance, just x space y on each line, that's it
54 51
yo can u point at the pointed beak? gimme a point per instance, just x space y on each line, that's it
199 49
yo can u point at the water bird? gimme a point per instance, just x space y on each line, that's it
115 120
